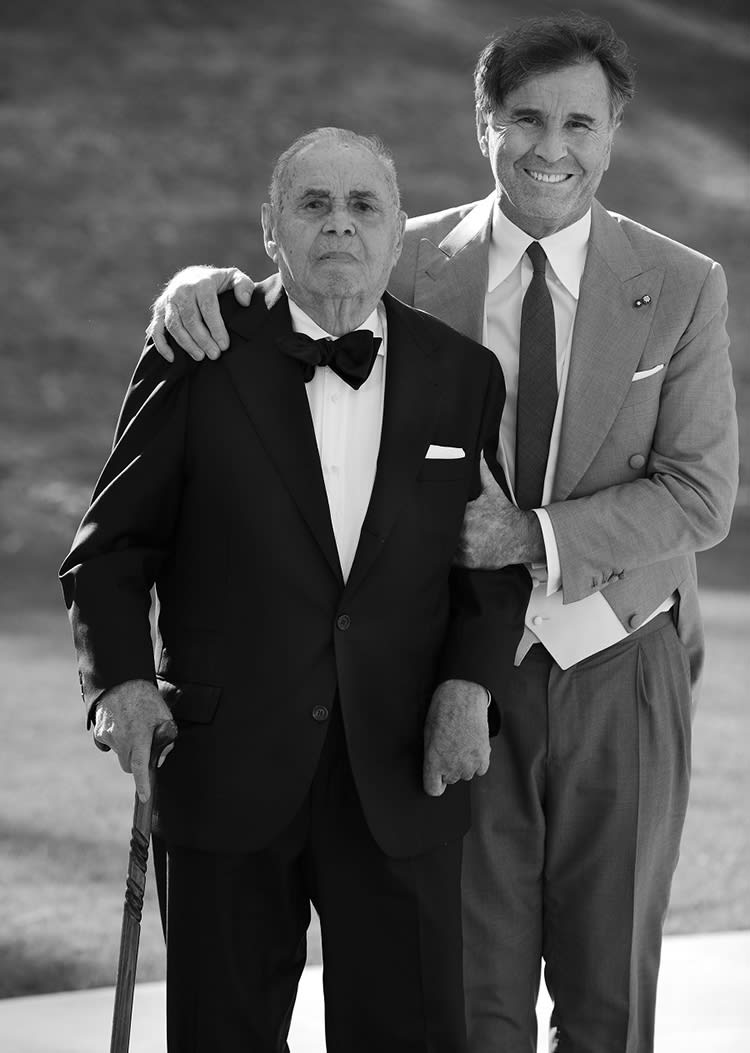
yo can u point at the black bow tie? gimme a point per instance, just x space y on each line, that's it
352 356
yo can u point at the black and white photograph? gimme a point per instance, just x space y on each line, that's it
375 527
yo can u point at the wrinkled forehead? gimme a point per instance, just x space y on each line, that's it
575 88
337 169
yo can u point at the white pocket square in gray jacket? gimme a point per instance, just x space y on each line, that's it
647 372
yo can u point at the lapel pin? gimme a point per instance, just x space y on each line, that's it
642 301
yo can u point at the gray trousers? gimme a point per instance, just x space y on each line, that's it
574 841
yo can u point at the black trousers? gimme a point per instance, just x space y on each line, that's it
391 931
574 841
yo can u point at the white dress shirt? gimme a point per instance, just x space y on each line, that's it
576 630
347 427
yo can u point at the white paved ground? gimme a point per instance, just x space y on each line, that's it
703 1007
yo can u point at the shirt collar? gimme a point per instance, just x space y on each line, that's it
566 250
303 323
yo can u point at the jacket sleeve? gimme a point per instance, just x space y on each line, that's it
487 606
684 501
127 530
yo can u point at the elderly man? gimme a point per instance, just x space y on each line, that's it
619 435
299 507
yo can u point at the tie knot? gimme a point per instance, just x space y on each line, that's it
538 257
327 349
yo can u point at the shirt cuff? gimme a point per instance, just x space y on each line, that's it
554 571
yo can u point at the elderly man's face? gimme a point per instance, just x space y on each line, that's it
338 232
549 145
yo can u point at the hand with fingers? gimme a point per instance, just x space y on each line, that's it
126 717
189 310
495 533
456 736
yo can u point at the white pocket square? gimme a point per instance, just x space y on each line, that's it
647 372
446 453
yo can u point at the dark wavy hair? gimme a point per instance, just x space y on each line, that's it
544 45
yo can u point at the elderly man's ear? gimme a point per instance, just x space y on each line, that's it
269 241
402 218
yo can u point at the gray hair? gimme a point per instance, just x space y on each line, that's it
337 135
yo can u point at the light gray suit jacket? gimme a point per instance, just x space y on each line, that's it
647 470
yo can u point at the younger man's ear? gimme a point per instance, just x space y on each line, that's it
481 119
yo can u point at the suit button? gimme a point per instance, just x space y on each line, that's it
320 713
537 619
637 460
634 621
343 622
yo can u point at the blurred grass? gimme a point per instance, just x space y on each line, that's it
66 809
64 827
711 890
135 138
65 815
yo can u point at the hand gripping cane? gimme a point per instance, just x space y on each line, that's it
136 884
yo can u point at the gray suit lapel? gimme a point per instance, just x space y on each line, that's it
451 280
609 336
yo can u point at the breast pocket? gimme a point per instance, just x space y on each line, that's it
437 469
646 385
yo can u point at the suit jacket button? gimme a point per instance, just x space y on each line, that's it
343 622
320 713
637 460
634 621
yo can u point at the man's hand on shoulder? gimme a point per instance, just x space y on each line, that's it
456 735
189 310
495 533
126 717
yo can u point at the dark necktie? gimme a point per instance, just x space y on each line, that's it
537 384
351 356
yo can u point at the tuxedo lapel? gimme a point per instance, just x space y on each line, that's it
609 336
272 389
451 279
411 399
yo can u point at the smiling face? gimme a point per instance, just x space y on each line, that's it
337 232
549 145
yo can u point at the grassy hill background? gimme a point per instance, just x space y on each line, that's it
138 137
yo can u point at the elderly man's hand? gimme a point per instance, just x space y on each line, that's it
456 735
189 309
126 717
495 533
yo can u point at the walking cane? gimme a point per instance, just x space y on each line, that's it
136 884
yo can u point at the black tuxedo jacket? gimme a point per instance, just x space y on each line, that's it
214 493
